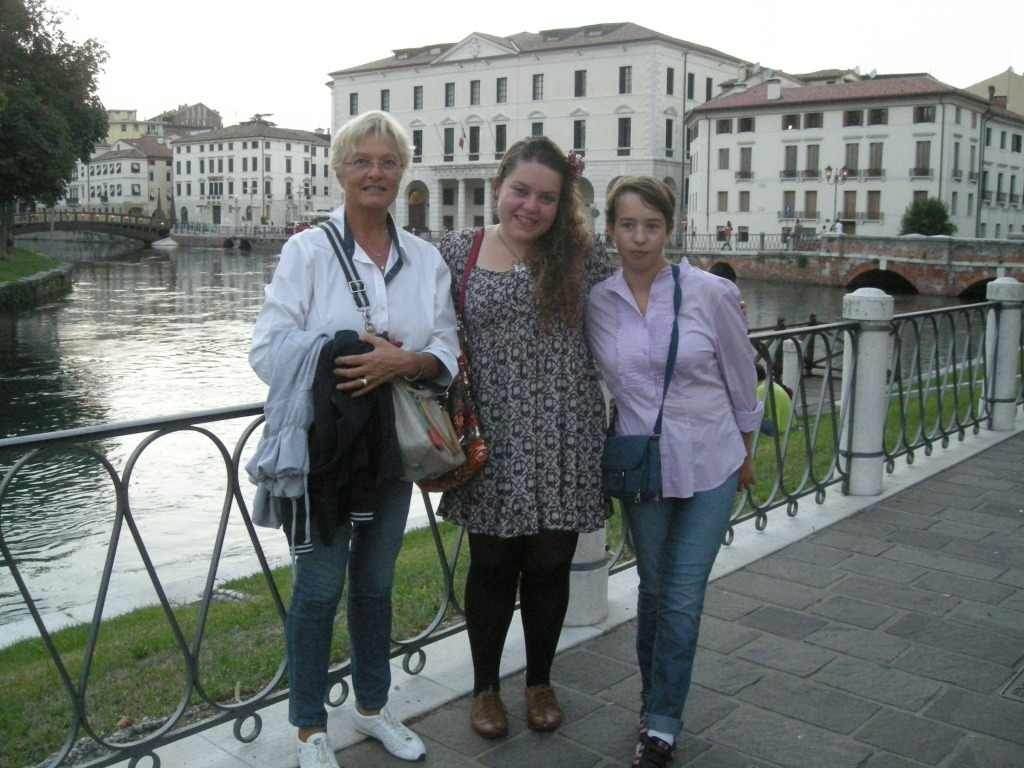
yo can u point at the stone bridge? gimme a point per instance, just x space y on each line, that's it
935 266
142 228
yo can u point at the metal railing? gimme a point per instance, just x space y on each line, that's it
230 230
920 172
243 709
874 173
937 378
800 456
93 217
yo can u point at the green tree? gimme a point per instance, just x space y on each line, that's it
927 217
50 114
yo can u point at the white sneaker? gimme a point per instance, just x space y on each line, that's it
389 731
316 752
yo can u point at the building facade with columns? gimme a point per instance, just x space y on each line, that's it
776 156
617 93
251 173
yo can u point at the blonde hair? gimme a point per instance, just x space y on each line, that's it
372 123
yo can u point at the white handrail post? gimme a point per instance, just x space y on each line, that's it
1003 351
865 404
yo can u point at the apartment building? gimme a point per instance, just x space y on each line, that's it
777 156
131 176
251 173
617 93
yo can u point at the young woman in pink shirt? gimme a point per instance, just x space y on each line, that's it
710 413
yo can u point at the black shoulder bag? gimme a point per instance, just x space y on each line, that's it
631 464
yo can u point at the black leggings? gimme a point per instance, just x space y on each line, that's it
539 566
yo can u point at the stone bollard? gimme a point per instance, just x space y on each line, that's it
864 400
1002 347
588 582
791 365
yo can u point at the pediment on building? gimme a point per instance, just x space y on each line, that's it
417 123
500 118
477 46
536 115
624 109
448 121
578 113
672 112
474 119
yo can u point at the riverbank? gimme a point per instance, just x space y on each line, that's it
28 279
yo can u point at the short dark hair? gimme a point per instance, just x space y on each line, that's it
657 194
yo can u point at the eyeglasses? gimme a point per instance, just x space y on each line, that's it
364 164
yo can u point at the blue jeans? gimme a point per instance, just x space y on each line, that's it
676 542
369 552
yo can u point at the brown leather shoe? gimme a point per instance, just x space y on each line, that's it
487 715
542 710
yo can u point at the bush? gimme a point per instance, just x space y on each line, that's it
927 217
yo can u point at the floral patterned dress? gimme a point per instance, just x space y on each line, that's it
540 406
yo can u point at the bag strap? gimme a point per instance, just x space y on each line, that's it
474 255
673 345
344 249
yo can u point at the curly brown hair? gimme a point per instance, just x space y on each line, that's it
558 263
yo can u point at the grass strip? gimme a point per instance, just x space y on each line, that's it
24 263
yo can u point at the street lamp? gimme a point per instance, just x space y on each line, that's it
835 178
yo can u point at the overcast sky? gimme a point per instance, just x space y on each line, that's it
244 57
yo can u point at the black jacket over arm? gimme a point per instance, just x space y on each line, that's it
353 447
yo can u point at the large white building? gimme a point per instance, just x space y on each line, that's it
251 173
618 93
131 176
761 157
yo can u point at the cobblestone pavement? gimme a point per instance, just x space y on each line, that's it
888 640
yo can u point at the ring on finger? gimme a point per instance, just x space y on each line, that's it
365 382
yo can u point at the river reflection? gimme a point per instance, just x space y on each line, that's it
157 334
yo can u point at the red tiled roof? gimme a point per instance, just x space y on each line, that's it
863 90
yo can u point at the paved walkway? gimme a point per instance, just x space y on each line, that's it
888 640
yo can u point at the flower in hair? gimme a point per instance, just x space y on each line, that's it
576 165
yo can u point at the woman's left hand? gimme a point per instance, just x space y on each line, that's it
747 478
361 374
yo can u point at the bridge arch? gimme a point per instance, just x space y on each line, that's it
976 290
886 279
183 217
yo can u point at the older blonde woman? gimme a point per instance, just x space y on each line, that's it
408 286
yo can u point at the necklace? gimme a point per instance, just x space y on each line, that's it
517 265
378 256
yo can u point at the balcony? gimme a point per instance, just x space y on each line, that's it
958 175
788 173
986 197
871 216
789 213
1014 199
853 173
808 215
920 172
744 175
972 177
810 173
874 173
1000 198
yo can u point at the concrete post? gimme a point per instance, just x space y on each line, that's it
865 365
791 365
1002 349
401 210
588 581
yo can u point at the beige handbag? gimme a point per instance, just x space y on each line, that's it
427 440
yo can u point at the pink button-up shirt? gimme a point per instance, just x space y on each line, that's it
711 401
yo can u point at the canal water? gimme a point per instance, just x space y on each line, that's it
151 334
